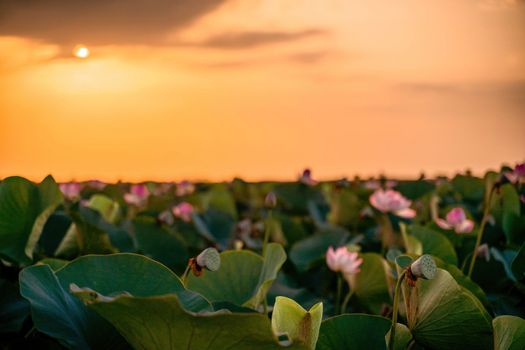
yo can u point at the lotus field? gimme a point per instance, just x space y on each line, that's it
348 264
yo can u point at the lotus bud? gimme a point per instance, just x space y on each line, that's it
210 259
271 200
238 244
424 267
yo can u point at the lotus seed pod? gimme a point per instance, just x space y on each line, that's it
210 259
424 267
271 200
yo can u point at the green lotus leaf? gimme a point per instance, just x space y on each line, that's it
353 331
159 322
443 315
469 187
403 337
108 208
13 308
156 242
305 253
243 278
435 243
371 286
24 209
509 333
58 314
518 264
301 325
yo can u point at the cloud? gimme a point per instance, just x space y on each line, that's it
251 39
100 22
309 57
511 91
426 87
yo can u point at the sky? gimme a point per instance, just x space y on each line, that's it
260 89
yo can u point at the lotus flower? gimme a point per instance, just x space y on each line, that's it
137 195
185 188
457 220
183 211
342 260
71 190
270 201
517 175
306 178
390 201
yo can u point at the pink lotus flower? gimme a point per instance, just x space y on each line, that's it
183 211
457 220
390 201
71 190
306 178
342 260
185 188
517 175
137 195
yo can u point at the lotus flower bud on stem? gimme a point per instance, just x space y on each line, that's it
271 200
424 267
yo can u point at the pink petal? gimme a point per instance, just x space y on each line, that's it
330 258
443 224
511 176
456 216
407 213
465 227
377 201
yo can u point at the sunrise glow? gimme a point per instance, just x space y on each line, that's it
261 90
81 51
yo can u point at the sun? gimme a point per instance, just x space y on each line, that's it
80 51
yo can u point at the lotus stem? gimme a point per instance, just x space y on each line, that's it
267 232
338 294
484 220
185 275
394 311
347 299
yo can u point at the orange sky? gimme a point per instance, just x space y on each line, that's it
261 89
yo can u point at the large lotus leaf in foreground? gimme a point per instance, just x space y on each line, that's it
24 209
160 323
444 315
57 314
243 279
60 315
353 331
